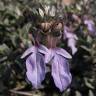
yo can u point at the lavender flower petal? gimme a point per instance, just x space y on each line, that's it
60 72
35 69
72 45
67 33
64 53
49 55
28 51
42 49
60 68
35 64
90 24
72 38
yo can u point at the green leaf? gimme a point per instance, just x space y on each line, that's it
88 84
24 31
89 39
78 93
94 60
4 49
91 93
2 8
85 48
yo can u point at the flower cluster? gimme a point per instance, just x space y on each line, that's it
36 65
39 55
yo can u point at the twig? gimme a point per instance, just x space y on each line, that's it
20 93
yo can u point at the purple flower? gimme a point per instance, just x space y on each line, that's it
90 26
35 64
60 67
71 37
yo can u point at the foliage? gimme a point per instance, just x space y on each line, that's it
20 17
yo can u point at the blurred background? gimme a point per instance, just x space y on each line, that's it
17 19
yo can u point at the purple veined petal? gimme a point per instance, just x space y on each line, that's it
63 52
90 25
49 55
64 33
42 49
71 35
67 33
72 45
28 51
72 38
60 72
89 22
35 69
